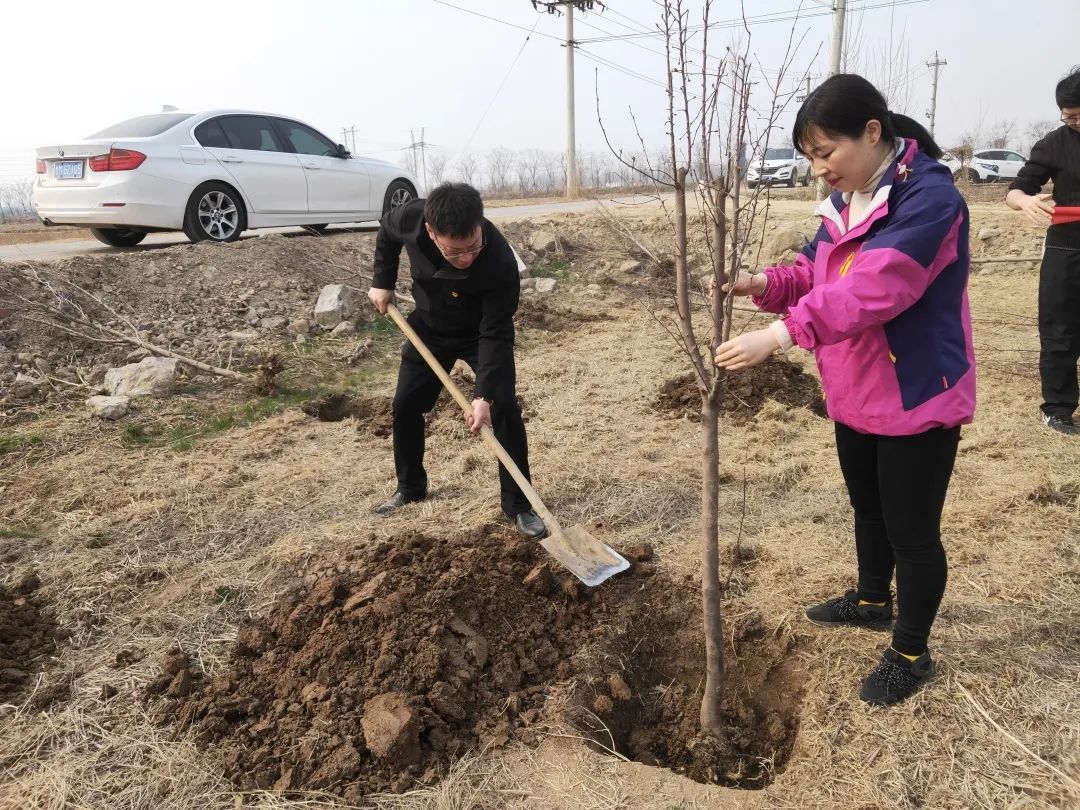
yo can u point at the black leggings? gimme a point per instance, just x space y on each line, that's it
897 486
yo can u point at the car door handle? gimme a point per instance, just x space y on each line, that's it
231 159
313 166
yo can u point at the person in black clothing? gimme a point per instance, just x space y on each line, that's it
466 285
1057 157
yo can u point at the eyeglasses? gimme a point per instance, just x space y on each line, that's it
1071 119
461 254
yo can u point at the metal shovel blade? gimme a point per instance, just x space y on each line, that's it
583 555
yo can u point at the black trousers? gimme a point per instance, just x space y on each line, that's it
417 392
1059 330
897 487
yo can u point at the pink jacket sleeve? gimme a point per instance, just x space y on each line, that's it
786 285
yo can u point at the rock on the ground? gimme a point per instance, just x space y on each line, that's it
528 284
274 322
300 326
546 285
108 408
986 234
628 267
344 328
150 377
336 303
542 242
392 728
28 380
784 241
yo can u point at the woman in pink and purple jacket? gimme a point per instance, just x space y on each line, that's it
880 297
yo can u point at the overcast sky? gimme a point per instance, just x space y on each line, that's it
395 66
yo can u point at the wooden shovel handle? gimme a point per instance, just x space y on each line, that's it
485 432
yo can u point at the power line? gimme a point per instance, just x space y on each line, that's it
761 19
506 76
493 19
635 44
615 66
640 25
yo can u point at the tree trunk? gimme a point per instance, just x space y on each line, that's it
710 570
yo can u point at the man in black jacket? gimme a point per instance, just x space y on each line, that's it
466 285
1057 157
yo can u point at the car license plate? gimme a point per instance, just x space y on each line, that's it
68 170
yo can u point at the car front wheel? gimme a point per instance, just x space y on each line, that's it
215 213
118 237
397 194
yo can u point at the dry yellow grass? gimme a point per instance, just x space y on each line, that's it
135 547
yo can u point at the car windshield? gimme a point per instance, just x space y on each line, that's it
779 154
144 126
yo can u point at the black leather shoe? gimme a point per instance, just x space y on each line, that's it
393 503
530 524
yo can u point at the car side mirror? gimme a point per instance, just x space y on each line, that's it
342 151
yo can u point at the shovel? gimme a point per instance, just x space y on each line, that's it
579 552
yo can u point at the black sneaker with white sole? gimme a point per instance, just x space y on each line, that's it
845 611
896 677
1062 424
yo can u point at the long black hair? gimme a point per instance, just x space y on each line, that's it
842 105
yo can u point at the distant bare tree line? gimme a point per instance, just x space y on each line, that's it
16 202
529 171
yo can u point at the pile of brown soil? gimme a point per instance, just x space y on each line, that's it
537 314
423 650
747 391
27 637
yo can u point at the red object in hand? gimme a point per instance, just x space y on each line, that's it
1065 213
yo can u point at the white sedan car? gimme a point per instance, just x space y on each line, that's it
212 175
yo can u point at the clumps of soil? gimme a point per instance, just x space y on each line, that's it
537 314
746 392
373 414
374 679
28 636
385 669
647 706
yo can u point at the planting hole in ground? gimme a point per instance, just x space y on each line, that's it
645 703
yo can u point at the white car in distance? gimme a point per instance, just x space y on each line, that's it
986 165
211 175
780 165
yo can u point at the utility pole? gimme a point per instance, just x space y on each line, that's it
932 115
419 164
345 137
567 7
839 12
807 79
571 146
